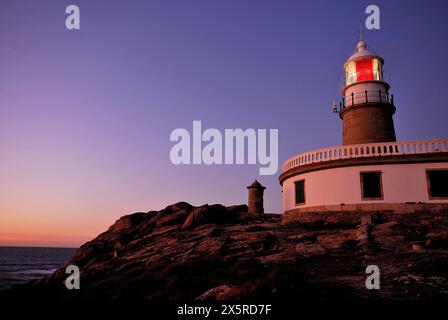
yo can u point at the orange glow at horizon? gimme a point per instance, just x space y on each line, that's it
64 222
56 225
50 229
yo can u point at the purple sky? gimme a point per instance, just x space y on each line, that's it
85 116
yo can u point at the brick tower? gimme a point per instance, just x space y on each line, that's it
366 108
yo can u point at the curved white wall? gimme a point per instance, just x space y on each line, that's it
359 89
401 183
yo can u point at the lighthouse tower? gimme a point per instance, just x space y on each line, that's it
367 107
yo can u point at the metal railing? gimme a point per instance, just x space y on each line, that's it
356 98
366 150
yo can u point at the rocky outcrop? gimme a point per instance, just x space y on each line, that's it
220 253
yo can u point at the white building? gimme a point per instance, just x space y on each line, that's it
370 171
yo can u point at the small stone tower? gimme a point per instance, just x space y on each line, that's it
255 197
366 108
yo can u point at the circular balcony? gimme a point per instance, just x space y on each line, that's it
365 97
366 151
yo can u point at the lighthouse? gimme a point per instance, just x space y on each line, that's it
371 171
366 108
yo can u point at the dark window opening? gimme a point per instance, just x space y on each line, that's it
438 183
300 191
371 185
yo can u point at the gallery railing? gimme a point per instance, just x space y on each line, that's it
356 98
366 150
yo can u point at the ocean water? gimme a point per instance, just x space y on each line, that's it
21 264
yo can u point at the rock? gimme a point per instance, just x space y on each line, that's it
418 246
337 240
223 292
256 228
180 206
438 280
286 256
302 236
129 221
366 219
310 249
415 277
363 234
214 252
409 278
390 235
196 217
206 214
237 209
437 239
170 218
189 222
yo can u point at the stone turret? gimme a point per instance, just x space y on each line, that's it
255 197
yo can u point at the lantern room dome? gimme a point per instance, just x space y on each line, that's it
363 52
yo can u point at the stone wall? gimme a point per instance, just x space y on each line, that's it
353 214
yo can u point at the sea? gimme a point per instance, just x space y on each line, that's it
19 265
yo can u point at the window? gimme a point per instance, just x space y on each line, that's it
363 70
437 183
377 71
371 186
300 191
350 73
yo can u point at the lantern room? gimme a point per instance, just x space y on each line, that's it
363 66
367 69
364 80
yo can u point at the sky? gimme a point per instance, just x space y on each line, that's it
86 115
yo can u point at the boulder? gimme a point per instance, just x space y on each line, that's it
179 206
129 221
206 214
